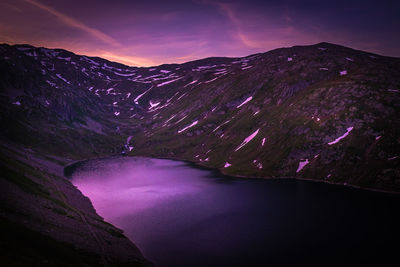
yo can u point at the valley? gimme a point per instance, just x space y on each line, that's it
322 112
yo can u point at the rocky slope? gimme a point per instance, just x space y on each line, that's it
46 221
322 112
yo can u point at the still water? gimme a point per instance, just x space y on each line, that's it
180 215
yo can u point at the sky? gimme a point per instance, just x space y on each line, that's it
149 32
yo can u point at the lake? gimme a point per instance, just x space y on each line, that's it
180 215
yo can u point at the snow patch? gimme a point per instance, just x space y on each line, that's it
90 61
139 96
187 127
190 83
341 137
167 82
50 83
302 164
153 105
263 141
62 78
247 139
221 125
289 59
248 67
343 72
209 81
124 74
17 103
227 164
65 58
244 102
116 113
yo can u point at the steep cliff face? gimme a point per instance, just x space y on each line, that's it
46 221
322 112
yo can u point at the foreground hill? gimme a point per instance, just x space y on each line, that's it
322 112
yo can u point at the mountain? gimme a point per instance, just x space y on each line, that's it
322 112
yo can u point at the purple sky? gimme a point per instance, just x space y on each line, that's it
152 32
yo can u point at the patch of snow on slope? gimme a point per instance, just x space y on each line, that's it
90 61
116 113
84 71
165 71
65 58
302 164
211 80
33 54
50 83
124 74
248 67
187 127
341 137
153 105
167 82
263 142
227 164
184 117
244 102
192 82
182 96
378 137
289 59
221 125
343 72
258 164
62 78
17 103
323 69
247 139
173 116
139 96
349 59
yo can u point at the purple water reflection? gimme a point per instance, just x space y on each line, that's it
182 216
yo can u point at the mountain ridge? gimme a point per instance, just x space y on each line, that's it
323 112
320 65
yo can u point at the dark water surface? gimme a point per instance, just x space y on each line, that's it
179 215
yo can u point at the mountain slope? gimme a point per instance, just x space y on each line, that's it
322 112
300 99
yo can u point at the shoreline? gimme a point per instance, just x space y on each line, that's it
71 166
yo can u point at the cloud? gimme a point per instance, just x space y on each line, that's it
227 9
131 61
71 22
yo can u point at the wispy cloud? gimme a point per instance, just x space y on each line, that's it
71 22
131 61
240 34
